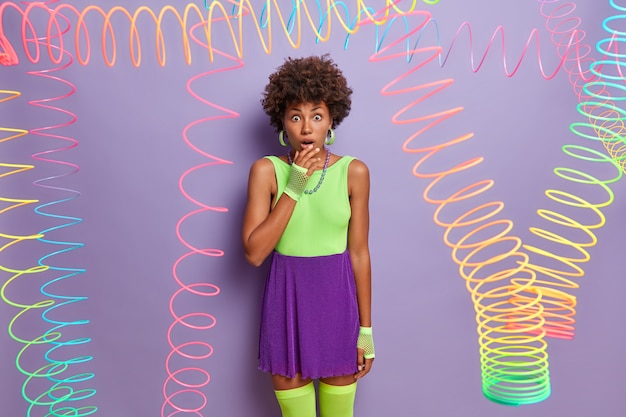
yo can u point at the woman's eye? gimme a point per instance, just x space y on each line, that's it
295 118
317 117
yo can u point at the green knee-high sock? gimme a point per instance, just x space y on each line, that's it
337 401
297 402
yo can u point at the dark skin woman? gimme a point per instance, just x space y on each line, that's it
308 210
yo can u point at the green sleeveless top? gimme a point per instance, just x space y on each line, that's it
319 223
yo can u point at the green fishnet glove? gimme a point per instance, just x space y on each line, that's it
366 342
297 182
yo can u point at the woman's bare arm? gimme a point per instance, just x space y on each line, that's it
262 225
358 231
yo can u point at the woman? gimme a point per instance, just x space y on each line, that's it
308 210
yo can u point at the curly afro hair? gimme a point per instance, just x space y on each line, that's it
307 80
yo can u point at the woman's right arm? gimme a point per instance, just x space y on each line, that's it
262 226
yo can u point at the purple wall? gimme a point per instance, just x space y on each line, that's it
132 154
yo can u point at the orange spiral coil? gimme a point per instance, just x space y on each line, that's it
509 310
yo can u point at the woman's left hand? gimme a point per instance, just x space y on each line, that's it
363 365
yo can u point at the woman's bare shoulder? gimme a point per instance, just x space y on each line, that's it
262 166
358 168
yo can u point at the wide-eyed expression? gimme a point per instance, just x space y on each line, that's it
307 124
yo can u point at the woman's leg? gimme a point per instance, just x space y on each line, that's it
337 396
296 396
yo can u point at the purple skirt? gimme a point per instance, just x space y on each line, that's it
309 317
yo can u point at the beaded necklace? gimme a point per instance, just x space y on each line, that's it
319 183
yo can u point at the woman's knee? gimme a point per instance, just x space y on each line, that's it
281 382
339 380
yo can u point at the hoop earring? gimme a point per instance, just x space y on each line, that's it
281 138
330 137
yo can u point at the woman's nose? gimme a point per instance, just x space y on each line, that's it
306 127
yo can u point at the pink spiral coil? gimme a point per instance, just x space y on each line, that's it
174 386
